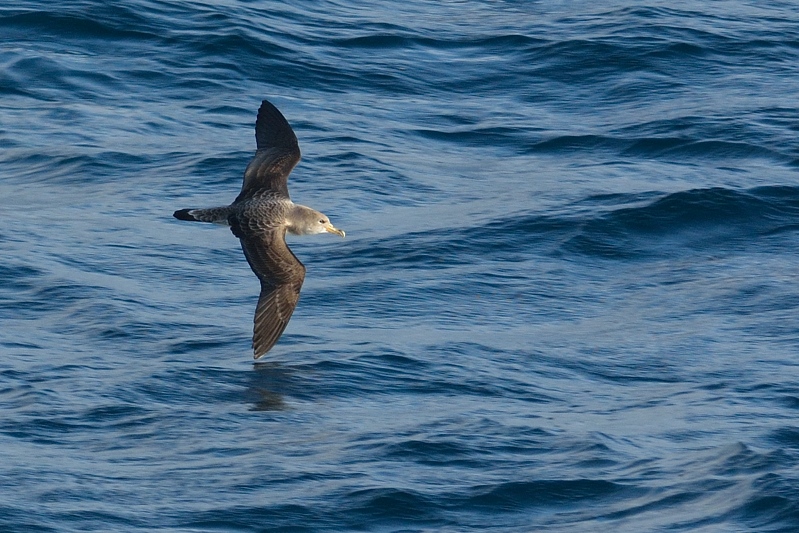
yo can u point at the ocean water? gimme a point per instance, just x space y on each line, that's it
568 300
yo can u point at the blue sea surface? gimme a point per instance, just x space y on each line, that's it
568 300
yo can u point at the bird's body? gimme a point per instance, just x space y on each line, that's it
260 217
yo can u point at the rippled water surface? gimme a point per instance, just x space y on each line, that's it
567 301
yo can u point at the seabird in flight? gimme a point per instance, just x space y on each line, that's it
260 216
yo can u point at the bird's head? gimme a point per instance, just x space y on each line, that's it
306 221
326 227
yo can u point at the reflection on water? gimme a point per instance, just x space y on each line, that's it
268 384
267 401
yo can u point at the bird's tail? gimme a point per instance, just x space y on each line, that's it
216 215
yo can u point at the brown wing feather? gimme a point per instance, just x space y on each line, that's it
278 153
272 315
281 275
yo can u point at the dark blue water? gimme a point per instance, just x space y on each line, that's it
568 299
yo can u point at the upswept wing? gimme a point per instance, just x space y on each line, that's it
281 275
277 154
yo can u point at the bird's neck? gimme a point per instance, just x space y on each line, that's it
299 219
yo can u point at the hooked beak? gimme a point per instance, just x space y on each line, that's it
330 229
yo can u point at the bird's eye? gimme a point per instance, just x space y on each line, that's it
323 222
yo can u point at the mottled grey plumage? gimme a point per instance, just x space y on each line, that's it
260 216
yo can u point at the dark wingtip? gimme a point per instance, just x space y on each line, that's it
272 129
183 214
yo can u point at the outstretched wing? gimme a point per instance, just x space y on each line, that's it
281 275
277 154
